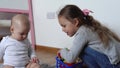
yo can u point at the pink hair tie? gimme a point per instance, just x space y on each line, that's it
86 12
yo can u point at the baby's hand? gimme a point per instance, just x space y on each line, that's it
35 60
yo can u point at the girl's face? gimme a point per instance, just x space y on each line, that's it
70 28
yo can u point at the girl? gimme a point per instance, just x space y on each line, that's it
94 43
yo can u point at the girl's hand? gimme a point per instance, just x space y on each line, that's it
58 54
35 60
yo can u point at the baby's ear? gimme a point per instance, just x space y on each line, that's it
11 29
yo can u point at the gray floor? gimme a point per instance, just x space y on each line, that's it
47 66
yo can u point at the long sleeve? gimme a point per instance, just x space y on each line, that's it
31 51
79 42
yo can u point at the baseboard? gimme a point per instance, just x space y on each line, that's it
47 49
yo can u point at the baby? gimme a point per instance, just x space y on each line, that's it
16 50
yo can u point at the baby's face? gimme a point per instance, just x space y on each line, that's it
20 27
20 33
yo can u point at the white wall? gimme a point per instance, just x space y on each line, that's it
5 23
47 30
14 4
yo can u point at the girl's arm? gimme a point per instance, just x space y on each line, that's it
79 43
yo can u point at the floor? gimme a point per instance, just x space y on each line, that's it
46 56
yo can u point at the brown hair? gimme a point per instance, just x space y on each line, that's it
71 11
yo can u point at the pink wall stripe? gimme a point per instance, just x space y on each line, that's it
13 10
